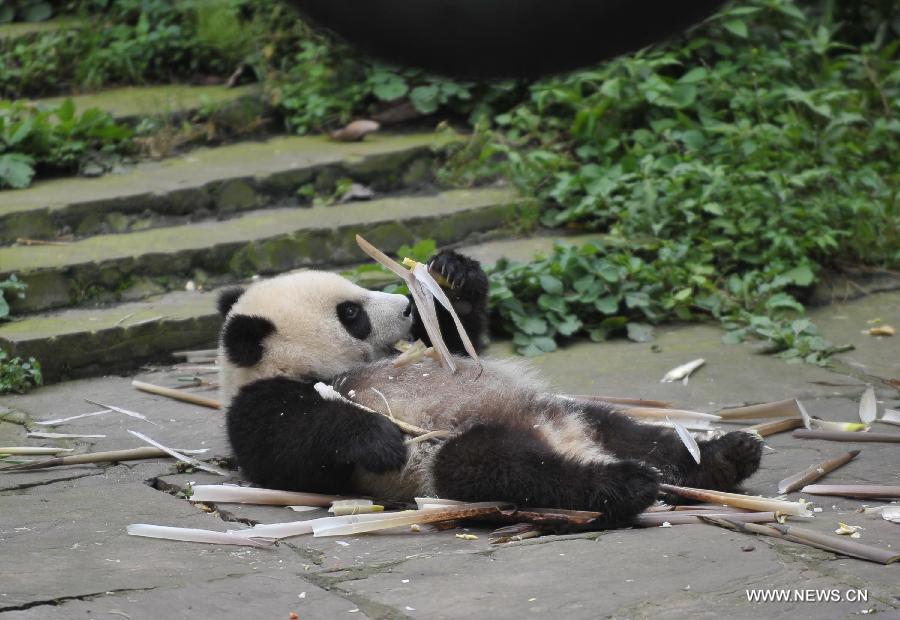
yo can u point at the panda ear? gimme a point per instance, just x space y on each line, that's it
228 298
242 339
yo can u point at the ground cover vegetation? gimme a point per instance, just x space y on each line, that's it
723 171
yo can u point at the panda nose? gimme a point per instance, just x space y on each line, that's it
408 310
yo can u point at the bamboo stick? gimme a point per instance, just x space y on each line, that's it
181 395
761 504
868 491
797 481
777 409
615 400
659 413
132 454
846 436
811 538
330 526
656 519
764 429
254 495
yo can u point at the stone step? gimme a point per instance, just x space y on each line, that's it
211 181
112 267
91 341
128 104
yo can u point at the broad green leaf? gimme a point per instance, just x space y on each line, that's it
640 332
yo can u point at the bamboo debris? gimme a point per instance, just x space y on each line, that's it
688 440
761 504
615 400
188 534
764 429
411 354
343 507
515 532
685 517
31 450
180 456
890 416
132 454
59 421
811 538
197 353
866 491
868 407
682 372
818 424
233 494
779 409
43 435
659 413
328 392
358 524
181 395
846 436
797 481
128 412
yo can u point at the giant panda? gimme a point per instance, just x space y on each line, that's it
512 438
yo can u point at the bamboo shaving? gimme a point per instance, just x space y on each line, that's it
59 421
42 435
128 412
682 372
187 534
868 407
180 456
688 440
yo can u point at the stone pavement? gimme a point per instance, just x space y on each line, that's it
66 554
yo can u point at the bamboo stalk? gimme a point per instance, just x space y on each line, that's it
846 436
866 491
31 450
197 353
330 526
656 519
797 481
777 409
764 429
133 454
659 413
254 495
811 538
615 400
761 504
181 395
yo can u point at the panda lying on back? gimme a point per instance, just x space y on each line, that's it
513 440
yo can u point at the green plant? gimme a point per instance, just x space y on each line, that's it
11 286
725 170
18 376
25 10
56 139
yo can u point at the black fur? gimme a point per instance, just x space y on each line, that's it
285 436
228 298
468 293
501 462
242 338
354 319
725 462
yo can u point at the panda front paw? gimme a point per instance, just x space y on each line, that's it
382 450
465 276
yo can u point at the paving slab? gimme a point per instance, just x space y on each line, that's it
129 103
208 181
262 242
678 572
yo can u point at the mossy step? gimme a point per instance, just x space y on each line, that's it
208 181
105 267
170 100
88 341
21 30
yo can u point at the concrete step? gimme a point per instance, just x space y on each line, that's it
131 103
81 342
211 181
110 267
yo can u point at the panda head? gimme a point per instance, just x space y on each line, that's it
312 325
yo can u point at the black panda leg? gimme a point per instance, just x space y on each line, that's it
499 463
468 292
286 436
725 461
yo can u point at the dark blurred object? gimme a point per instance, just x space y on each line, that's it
503 38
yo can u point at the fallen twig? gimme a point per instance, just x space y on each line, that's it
811 538
866 491
846 436
186 397
797 481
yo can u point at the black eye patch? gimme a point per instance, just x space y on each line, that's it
354 319
242 339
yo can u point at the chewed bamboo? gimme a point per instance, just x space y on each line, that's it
231 494
868 407
181 456
797 481
765 429
616 400
761 504
659 413
181 395
359 524
187 534
32 450
656 519
868 491
778 409
850 436
132 454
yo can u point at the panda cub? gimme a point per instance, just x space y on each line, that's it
512 439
